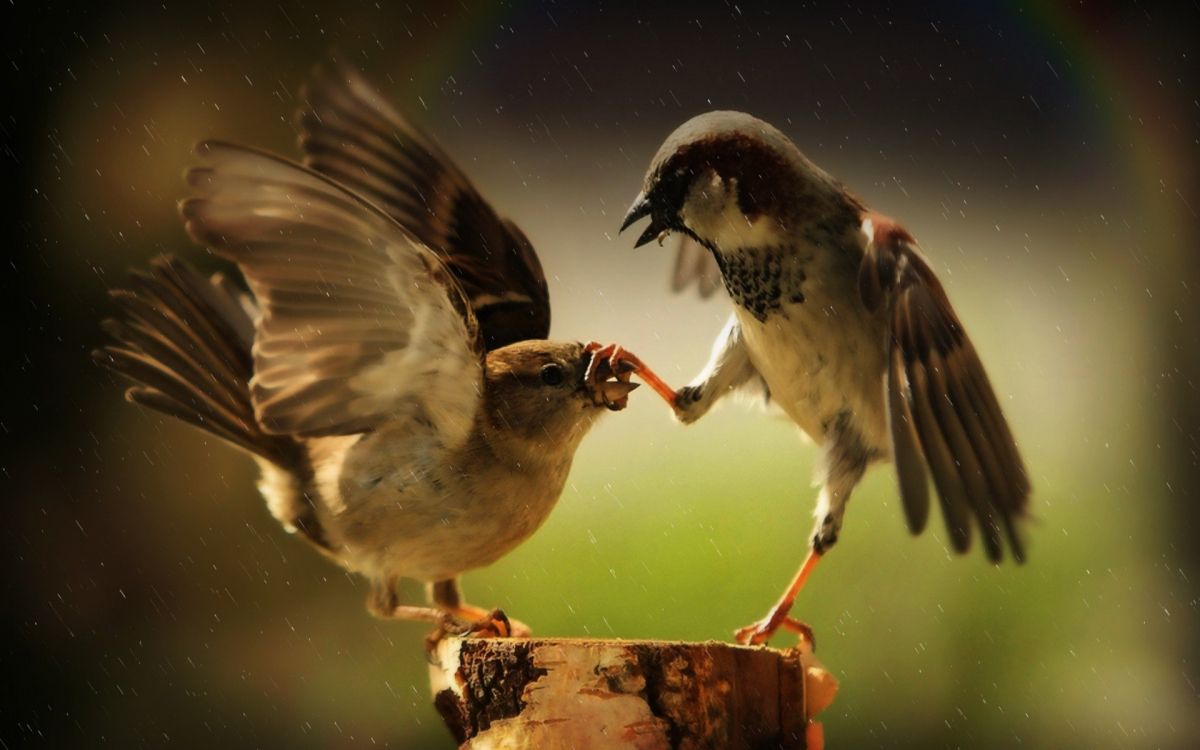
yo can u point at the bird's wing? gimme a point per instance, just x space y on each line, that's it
349 132
360 323
695 264
943 413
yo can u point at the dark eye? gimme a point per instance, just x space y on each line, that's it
552 375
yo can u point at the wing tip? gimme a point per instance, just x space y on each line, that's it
102 356
199 177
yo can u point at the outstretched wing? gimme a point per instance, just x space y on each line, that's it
360 323
695 264
349 132
943 413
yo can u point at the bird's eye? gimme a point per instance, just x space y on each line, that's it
552 375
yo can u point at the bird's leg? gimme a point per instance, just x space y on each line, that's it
845 461
622 363
728 367
450 616
481 622
759 632
383 602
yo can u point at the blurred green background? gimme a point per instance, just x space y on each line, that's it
1043 153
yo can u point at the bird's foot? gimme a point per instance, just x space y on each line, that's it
472 622
689 403
615 360
607 376
760 632
482 623
516 628
826 536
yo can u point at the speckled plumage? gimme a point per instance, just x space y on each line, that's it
838 314
763 280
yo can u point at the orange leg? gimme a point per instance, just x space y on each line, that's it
759 632
618 356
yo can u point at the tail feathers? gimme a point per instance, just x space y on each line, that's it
185 341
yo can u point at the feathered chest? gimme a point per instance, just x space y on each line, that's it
817 347
763 279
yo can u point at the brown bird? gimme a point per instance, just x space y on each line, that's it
842 321
388 371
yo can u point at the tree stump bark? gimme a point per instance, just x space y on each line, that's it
579 693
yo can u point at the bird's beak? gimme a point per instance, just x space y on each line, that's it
640 208
643 206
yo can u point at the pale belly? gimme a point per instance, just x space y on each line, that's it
419 516
820 363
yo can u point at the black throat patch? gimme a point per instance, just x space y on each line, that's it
762 279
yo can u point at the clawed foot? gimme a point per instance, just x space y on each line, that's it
614 360
689 404
469 623
609 361
760 632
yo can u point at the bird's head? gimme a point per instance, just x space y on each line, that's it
538 391
729 180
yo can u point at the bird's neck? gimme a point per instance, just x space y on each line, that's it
523 450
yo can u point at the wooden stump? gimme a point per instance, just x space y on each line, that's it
578 693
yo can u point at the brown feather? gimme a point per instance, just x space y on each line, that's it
941 461
910 463
349 132
186 342
359 321
979 495
694 263
937 384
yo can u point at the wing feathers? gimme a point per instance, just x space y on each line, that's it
186 342
360 323
978 494
695 263
943 414
941 461
910 464
349 132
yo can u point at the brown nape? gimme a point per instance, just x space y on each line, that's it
763 175
772 176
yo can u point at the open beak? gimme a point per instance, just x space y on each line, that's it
642 207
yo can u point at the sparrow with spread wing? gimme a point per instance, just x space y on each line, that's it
841 317
389 370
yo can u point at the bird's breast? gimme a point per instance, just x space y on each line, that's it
406 508
821 355
761 280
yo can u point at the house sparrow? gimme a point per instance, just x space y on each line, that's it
389 372
843 321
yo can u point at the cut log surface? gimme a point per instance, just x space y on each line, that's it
579 693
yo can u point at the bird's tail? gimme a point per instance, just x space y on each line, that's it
185 341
